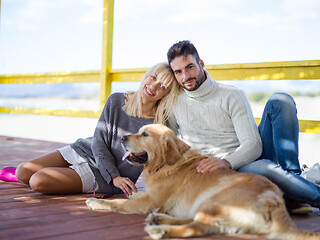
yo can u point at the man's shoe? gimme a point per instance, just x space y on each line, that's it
312 174
295 207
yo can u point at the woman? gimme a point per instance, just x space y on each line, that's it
95 164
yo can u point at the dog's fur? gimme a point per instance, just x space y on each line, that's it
186 203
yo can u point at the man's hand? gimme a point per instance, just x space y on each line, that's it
211 163
125 184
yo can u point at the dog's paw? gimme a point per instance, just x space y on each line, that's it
153 219
156 218
94 204
156 232
136 195
90 203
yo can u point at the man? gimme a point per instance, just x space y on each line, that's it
217 120
213 118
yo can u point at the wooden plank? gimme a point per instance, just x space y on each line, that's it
80 223
14 151
25 214
39 216
310 222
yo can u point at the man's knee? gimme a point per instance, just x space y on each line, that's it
281 101
282 98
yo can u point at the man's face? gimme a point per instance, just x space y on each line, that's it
188 72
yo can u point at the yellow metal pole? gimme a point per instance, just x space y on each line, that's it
105 76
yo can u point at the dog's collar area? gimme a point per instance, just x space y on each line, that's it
161 166
186 150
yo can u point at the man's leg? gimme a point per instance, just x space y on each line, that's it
294 186
279 131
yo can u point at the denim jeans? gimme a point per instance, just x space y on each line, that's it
279 162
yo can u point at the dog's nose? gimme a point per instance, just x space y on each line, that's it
124 138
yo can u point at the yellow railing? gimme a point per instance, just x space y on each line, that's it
295 70
248 71
63 77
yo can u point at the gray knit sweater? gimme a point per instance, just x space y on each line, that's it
103 151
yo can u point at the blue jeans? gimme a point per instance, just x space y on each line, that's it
279 131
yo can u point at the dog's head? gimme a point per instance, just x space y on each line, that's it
155 145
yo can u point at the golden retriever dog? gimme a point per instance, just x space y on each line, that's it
186 203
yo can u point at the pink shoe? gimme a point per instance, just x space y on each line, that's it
8 174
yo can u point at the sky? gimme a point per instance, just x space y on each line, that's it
39 36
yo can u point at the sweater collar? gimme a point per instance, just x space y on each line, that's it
205 88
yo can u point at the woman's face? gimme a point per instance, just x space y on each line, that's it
153 89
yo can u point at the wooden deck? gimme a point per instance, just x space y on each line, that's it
25 214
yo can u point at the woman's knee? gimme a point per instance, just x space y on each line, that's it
23 172
38 182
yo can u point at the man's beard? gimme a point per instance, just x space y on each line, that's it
198 80
198 83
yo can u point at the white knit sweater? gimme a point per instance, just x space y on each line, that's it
217 120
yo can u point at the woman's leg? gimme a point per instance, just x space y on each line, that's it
294 186
26 170
56 180
279 131
50 174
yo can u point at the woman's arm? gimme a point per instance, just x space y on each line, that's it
101 146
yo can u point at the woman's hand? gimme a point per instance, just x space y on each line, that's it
125 184
211 163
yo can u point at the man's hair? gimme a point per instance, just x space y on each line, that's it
182 48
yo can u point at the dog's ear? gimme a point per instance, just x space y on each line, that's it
172 148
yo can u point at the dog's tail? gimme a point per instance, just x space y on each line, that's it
283 227
295 234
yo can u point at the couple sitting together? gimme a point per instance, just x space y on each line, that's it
214 118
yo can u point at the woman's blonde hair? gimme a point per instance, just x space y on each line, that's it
133 105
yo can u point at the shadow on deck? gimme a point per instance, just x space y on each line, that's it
25 214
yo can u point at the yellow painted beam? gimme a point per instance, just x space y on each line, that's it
128 75
294 70
51 112
58 77
266 71
107 42
302 63
307 126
